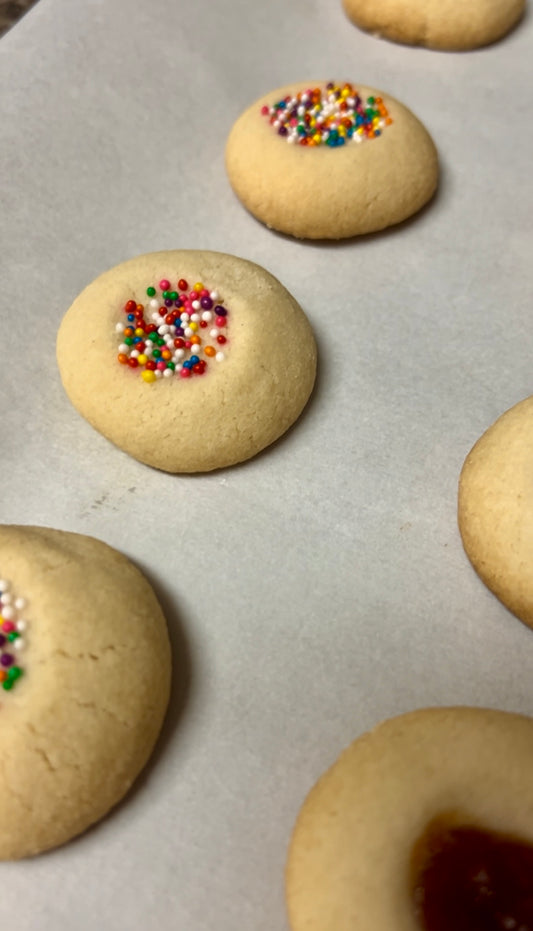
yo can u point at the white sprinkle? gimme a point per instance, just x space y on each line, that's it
188 332
19 643
7 598
134 353
195 317
196 306
154 304
207 315
158 373
179 367
213 295
184 317
21 625
168 373
8 613
120 328
214 332
163 329
4 585
179 354
220 357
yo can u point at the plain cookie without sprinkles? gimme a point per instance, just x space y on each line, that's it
449 25
330 160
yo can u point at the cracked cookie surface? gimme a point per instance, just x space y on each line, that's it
84 717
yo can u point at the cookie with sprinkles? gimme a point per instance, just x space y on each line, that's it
437 24
330 160
90 696
188 361
13 627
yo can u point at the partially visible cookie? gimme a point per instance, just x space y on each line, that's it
84 684
496 509
330 160
439 24
189 361
423 824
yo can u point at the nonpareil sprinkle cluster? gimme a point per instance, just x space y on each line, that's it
12 627
333 115
187 330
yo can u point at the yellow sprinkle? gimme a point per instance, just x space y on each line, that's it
193 325
139 332
198 286
148 376
142 359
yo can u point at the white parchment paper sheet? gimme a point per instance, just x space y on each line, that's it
322 586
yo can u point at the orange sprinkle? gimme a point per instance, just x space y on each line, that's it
209 351
122 357
3 675
129 331
166 354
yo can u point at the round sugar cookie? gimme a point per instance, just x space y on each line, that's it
328 161
417 825
189 361
453 25
495 509
85 678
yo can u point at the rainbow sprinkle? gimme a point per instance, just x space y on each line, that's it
330 116
12 627
188 328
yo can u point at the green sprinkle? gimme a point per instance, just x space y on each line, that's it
15 672
8 684
150 292
173 295
166 294
170 365
13 635
129 340
160 341
156 353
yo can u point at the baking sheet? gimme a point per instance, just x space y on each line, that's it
330 589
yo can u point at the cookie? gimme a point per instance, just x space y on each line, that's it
85 677
329 161
495 509
188 361
437 24
423 824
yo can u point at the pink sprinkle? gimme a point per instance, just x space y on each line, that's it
8 627
204 293
221 321
164 284
265 110
188 344
161 366
185 373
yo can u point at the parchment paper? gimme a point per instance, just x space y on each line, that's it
322 586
